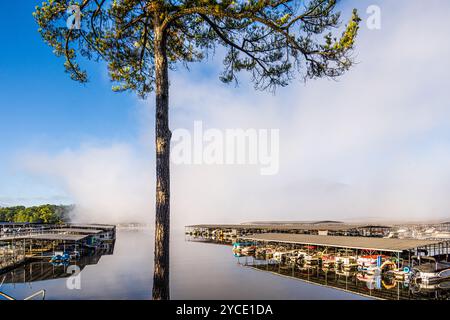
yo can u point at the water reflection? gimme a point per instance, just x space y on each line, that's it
198 271
377 285
43 269
108 272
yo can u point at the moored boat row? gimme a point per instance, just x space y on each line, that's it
427 272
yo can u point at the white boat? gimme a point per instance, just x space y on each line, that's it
346 262
282 256
311 260
431 272
296 256
278 256
370 263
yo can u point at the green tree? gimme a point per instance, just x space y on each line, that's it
38 214
141 40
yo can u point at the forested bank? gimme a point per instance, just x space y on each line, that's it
38 214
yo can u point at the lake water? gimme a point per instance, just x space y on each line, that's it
198 271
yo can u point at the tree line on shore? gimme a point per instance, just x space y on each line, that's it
47 213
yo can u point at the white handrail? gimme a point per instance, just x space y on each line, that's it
40 292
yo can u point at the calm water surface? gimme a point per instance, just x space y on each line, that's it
198 271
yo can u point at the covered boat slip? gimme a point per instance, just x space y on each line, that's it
104 227
47 237
75 231
286 227
357 243
320 228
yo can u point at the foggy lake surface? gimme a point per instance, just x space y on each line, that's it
198 271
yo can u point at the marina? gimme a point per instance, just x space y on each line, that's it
262 265
339 256
127 273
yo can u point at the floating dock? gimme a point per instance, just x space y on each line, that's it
21 242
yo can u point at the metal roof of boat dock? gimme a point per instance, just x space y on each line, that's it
59 236
75 230
294 226
369 243
48 237
92 226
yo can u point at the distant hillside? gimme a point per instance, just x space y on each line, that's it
39 214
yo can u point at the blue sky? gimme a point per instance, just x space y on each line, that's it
41 108
40 102
374 145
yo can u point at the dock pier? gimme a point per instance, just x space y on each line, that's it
20 243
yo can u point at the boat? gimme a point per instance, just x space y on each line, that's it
364 277
399 274
328 260
346 262
297 257
260 253
239 246
248 250
278 256
283 256
430 272
75 255
311 260
59 257
264 253
269 253
370 263
376 282
444 285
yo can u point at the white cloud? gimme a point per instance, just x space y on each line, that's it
368 146
108 184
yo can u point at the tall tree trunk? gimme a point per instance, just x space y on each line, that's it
162 136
